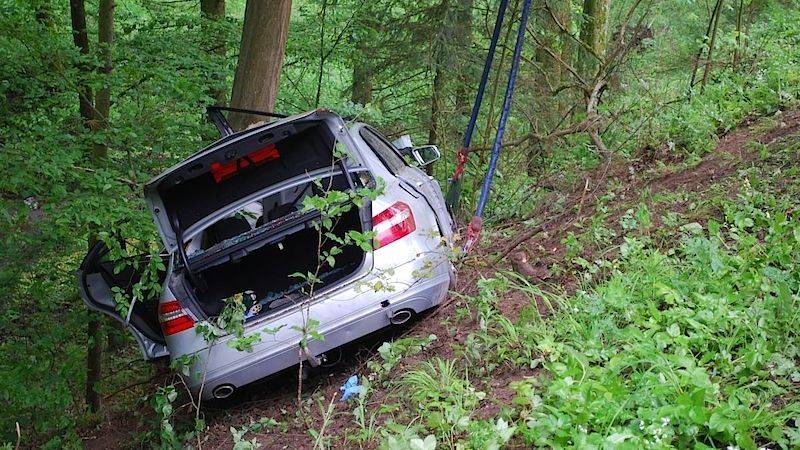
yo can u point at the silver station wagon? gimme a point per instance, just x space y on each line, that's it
233 225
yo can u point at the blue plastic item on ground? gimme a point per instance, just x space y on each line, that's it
350 388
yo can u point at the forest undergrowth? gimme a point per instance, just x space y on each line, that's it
642 299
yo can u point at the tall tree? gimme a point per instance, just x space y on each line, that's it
437 94
255 85
710 51
213 12
80 37
551 43
362 74
444 46
595 28
105 37
369 32
466 76
364 34
94 111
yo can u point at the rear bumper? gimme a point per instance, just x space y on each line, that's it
420 297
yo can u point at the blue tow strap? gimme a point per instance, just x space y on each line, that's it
454 184
487 67
476 224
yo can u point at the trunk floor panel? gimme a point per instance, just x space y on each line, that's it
266 273
294 294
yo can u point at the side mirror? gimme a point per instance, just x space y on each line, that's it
426 154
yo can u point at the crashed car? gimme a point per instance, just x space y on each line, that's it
232 224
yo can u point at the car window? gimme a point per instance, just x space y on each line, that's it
385 151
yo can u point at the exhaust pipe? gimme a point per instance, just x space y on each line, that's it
223 391
401 317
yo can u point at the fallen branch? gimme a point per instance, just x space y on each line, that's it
130 183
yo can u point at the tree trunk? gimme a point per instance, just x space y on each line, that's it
213 12
737 52
80 37
321 70
94 362
696 62
711 43
439 49
465 77
213 9
595 28
102 106
436 111
105 33
548 76
362 75
255 85
368 34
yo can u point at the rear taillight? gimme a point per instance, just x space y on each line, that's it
393 223
173 318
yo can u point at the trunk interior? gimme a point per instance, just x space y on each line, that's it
263 276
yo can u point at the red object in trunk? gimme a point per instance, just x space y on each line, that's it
224 171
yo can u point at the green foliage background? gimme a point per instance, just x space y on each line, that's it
163 71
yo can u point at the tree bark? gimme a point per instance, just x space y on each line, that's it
102 106
436 111
255 85
548 107
213 9
80 37
439 49
94 362
105 34
213 12
595 29
465 77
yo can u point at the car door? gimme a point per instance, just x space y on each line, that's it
417 179
97 277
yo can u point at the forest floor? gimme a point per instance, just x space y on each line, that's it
656 177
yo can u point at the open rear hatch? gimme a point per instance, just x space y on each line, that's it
201 209
236 167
